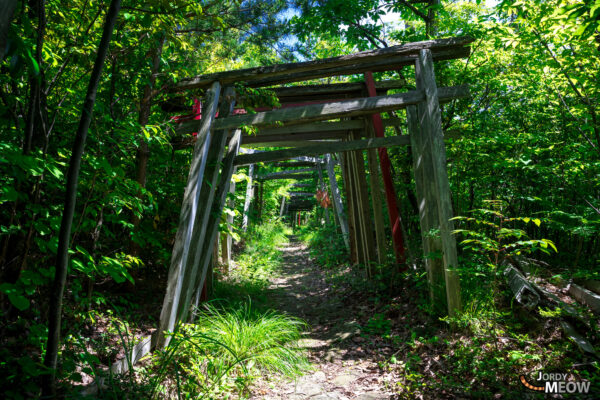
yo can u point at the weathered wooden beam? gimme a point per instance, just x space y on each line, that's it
348 63
323 148
301 194
388 64
291 176
308 126
333 89
187 217
428 211
273 175
204 216
289 143
431 129
315 112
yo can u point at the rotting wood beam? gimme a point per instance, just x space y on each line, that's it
255 140
347 62
323 148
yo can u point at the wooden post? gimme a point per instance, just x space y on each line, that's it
375 185
187 217
433 141
337 200
282 206
207 196
248 200
428 211
390 191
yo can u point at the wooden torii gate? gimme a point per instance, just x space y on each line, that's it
340 119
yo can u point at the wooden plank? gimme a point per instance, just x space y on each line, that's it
272 72
428 211
187 216
248 200
431 128
348 179
217 209
301 194
226 238
323 148
206 199
288 176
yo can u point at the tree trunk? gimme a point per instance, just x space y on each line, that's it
143 151
7 9
62 256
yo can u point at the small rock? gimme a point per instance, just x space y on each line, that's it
372 396
343 380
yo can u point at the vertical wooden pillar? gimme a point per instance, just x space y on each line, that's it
390 191
375 185
428 210
187 217
349 189
433 142
282 208
362 207
249 194
337 200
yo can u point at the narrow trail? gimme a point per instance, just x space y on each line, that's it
344 370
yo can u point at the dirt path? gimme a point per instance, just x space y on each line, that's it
344 367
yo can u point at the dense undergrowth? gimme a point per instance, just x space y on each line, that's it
481 353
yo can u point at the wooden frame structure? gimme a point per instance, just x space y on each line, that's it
341 121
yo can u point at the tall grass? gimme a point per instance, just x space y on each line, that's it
227 349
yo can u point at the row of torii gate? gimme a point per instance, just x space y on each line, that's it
318 124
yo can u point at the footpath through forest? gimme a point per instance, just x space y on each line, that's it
344 365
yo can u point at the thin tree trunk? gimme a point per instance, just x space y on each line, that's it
143 151
62 256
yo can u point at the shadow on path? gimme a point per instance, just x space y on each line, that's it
343 368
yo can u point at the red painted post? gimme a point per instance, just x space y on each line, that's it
386 172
